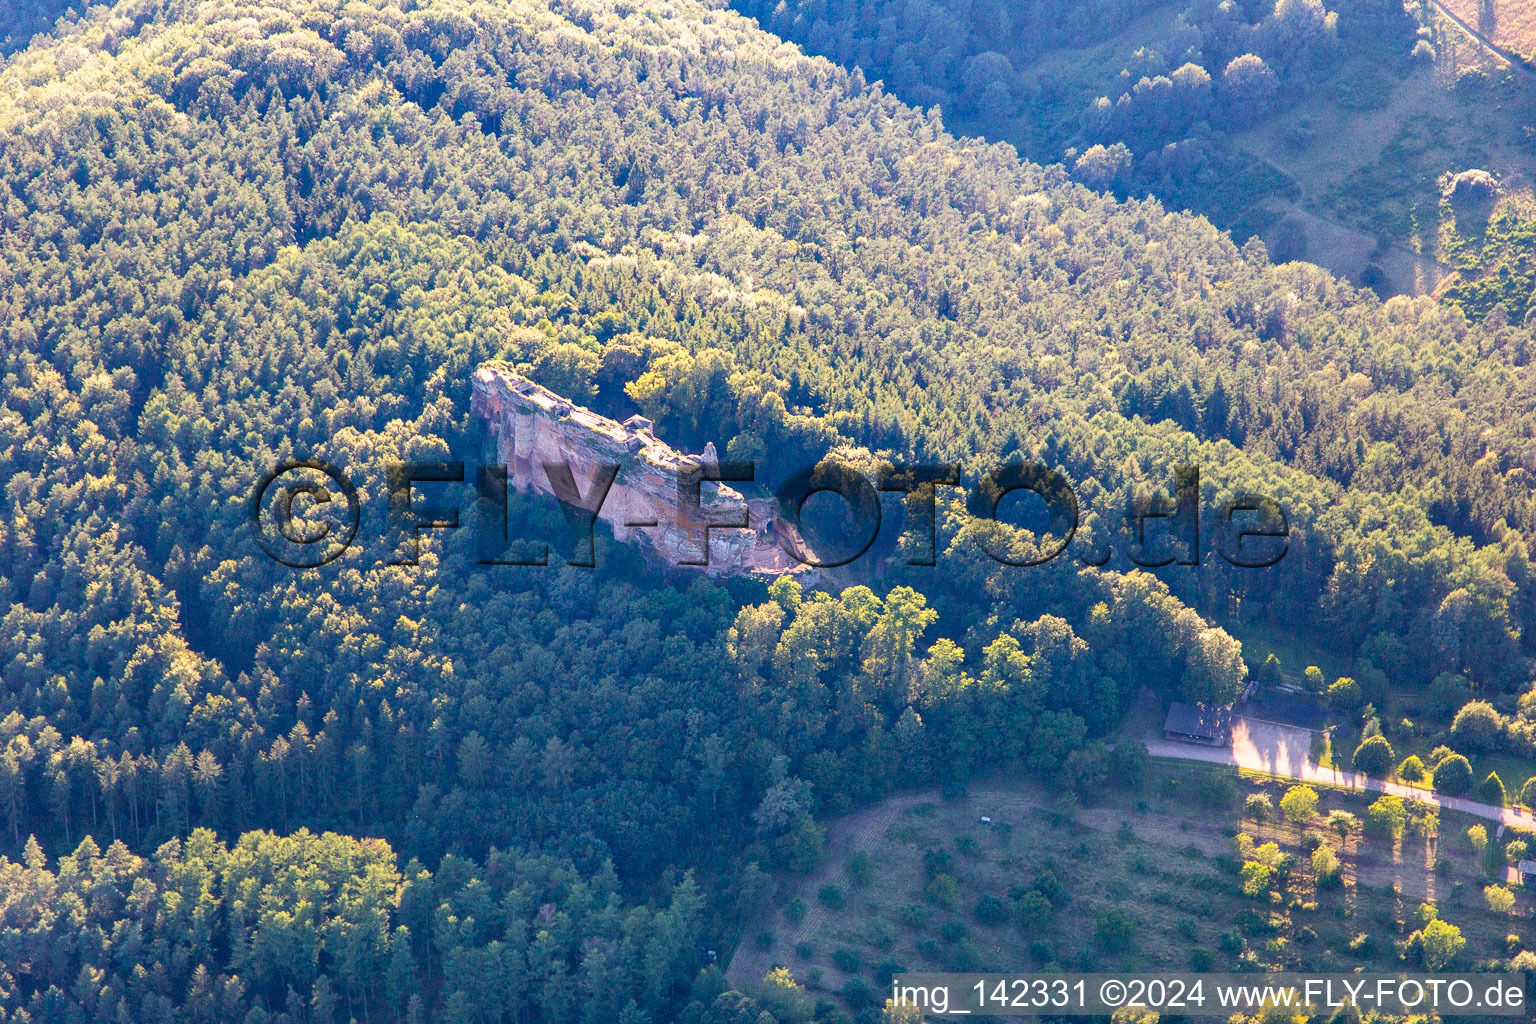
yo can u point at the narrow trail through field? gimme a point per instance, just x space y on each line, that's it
1488 44
1346 251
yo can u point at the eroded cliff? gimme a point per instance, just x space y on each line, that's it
534 428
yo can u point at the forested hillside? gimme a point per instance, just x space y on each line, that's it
1193 75
21 21
1331 129
231 234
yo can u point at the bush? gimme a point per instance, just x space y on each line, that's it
1374 756
1453 776
1217 789
963 958
802 849
1439 943
1478 727
1342 822
1473 186
1128 762
1201 959
860 868
1325 865
1115 931
1256 878
936 863
1528 792
1345 694
1258 806
858 994
1500 900
954 931
846 960
1477 835
1386 817
1449 691
1047 884
1086 771
943 890
1300 804
1032 911
1102 167
832 897
795 910
991 911
1491 790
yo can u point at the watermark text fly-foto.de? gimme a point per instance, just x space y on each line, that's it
1251 530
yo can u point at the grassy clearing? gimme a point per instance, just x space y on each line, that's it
1511 24
1404 134
1351 174
1149 880
1295 654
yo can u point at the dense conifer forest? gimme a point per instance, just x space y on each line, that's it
232 234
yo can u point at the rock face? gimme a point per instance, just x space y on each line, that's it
534 427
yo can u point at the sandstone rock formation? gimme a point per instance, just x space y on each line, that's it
534 427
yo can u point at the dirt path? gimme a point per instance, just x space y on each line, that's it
1486 43
1277 750
1347 251
1334 245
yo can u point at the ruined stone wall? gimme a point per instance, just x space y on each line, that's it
534 426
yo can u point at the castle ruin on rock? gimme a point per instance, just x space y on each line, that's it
534 426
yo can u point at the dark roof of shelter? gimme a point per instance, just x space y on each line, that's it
1207 720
